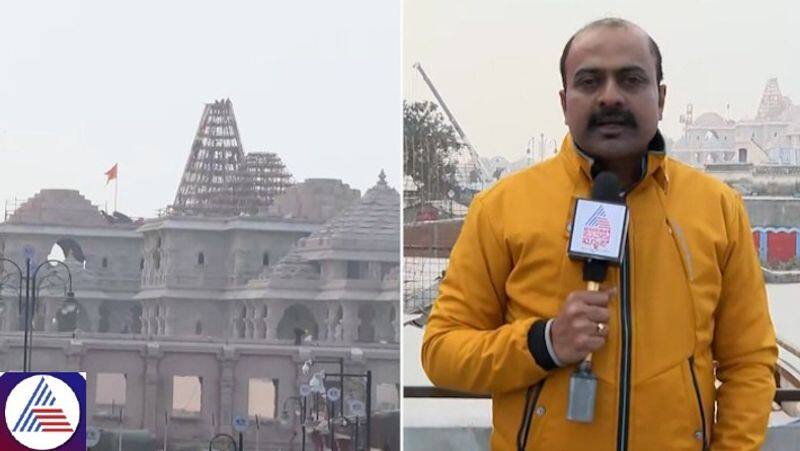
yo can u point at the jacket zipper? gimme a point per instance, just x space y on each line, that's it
625 330
625 361
531 397
699 401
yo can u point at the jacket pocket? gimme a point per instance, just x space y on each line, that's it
665 407
531 398
699 398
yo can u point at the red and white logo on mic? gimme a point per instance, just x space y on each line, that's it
42 412
597 231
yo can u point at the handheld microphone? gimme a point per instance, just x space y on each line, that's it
606 189
599 229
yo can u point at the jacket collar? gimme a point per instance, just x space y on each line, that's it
579 164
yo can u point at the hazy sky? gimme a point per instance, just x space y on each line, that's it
496 63
85 84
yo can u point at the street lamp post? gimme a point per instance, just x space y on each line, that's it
30 301
29 318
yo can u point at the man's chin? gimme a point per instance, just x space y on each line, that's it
611 145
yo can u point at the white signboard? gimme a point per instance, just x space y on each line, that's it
333 394
356 407
241 423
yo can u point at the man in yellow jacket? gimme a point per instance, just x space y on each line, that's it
687 306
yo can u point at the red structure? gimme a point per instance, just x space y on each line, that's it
777 244
781 246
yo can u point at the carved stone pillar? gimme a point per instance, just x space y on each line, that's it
396 326
152 321
145 319
152 355
331 321
382 323
350 322
227 360
259 321
320 314
92 309
167 321
275 313
249 329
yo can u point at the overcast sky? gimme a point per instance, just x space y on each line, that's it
496 63
85 84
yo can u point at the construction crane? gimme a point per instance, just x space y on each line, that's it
483 172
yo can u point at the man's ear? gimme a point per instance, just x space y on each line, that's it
662 95
563 95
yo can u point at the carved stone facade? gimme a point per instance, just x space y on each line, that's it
225 299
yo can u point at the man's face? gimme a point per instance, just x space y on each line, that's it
612 102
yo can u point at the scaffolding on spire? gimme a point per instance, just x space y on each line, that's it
219 178
773 103
264 177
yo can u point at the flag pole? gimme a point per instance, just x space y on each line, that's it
112 174
116 190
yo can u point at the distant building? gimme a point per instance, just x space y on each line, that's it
771 137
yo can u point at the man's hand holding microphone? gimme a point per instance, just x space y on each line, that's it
581 326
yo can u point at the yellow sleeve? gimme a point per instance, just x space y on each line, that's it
744 343
468 346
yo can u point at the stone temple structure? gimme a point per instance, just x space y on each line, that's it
772 136
758 155
185 321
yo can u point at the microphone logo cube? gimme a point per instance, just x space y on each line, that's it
598 230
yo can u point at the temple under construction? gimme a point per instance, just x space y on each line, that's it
225 307
219 178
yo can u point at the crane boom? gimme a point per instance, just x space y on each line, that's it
473 153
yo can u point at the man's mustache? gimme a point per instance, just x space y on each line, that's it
616 117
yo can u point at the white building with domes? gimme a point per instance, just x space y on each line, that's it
771 137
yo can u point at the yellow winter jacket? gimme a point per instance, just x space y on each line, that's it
693 308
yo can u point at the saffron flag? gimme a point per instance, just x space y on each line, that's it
111 174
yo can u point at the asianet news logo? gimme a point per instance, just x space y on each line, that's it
43 411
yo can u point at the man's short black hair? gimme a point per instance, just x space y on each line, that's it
612 22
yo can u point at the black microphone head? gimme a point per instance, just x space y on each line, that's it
606 187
